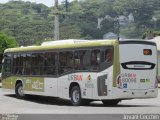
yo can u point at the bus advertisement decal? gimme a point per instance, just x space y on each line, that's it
74 77
129 78
89 84
89 77
37 85
145 80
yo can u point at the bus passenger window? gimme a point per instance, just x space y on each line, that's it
37 63
65 62
108 55
82 60
7 66
18 64
95 59
69 60
106 58
28 64
50 63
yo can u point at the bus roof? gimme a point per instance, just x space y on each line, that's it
63 45
157 41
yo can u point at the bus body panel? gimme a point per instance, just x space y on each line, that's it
136 71
133 94
158 77
106 77
137 77
51 87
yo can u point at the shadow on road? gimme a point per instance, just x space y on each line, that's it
62 102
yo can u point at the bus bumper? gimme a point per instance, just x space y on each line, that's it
134 94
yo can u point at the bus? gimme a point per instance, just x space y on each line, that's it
157 41
83 71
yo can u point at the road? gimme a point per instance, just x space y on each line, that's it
38 105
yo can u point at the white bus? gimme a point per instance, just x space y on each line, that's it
157 41
83 71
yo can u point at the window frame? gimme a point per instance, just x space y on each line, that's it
57 51
4 73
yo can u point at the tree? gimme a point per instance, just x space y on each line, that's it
142 10
6 42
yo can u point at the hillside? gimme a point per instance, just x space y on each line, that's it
32 23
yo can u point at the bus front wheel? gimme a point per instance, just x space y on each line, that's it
19 91
110 102
76 98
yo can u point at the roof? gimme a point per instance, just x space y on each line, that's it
58 42
63 45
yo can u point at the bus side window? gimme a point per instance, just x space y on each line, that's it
36 64
16 61
50 63
65 62
82 60
28 64
95 59
108 55
106 58
7 66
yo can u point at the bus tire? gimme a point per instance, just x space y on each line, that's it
110 102
76 98
19 91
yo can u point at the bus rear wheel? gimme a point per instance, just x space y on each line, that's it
19 91
110 102
76 98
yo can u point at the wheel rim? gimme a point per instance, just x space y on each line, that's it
75 96
20 91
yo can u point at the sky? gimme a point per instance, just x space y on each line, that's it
49 3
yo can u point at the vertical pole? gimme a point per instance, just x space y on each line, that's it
66 2
56 21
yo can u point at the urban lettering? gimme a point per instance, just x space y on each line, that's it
75 77
128 78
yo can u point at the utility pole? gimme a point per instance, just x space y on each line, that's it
66 5
56 21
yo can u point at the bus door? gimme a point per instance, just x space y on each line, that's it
6 72
138 65
105 74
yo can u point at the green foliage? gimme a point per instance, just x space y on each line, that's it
132 32
27 22
155 33
32 23
6 42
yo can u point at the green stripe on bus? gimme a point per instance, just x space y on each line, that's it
116 64
35 84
